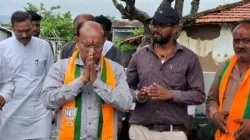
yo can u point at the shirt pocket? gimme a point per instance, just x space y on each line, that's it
38 67
177 77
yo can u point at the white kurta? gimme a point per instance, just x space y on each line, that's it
24 116
107 46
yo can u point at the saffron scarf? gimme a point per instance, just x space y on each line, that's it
240 108
71 111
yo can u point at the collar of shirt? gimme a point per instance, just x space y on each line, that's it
178 47
80 63
237 69
28 44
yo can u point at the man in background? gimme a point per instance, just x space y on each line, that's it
36 23
68 49
110 51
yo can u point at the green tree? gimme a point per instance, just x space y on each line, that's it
31 7
53 24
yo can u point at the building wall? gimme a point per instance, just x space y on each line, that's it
208 80
212 43
121 34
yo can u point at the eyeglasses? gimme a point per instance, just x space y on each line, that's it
88 47
159 25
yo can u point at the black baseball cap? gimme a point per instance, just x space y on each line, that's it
166 15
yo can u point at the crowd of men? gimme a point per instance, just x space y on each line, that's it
87 92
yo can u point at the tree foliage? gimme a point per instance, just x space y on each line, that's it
53 24
138 31
128 46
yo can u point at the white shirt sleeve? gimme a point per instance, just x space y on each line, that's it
7 86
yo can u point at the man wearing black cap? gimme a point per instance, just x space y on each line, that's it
164 77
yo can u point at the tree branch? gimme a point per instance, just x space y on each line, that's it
165 3
179 7
130 11
195 7
119 7
129 2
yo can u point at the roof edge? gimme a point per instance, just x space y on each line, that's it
222 8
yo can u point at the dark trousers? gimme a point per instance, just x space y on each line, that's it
125 128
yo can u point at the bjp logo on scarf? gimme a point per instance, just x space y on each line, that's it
70 114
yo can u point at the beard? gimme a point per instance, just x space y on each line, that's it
159 39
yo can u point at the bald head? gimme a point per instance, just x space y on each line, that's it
82 18
243 24
90 28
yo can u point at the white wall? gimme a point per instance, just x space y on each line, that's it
221 47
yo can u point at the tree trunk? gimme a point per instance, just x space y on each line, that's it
132 13
195 7
165 3
179 7
191 17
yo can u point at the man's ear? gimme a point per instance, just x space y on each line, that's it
76 38
175 29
